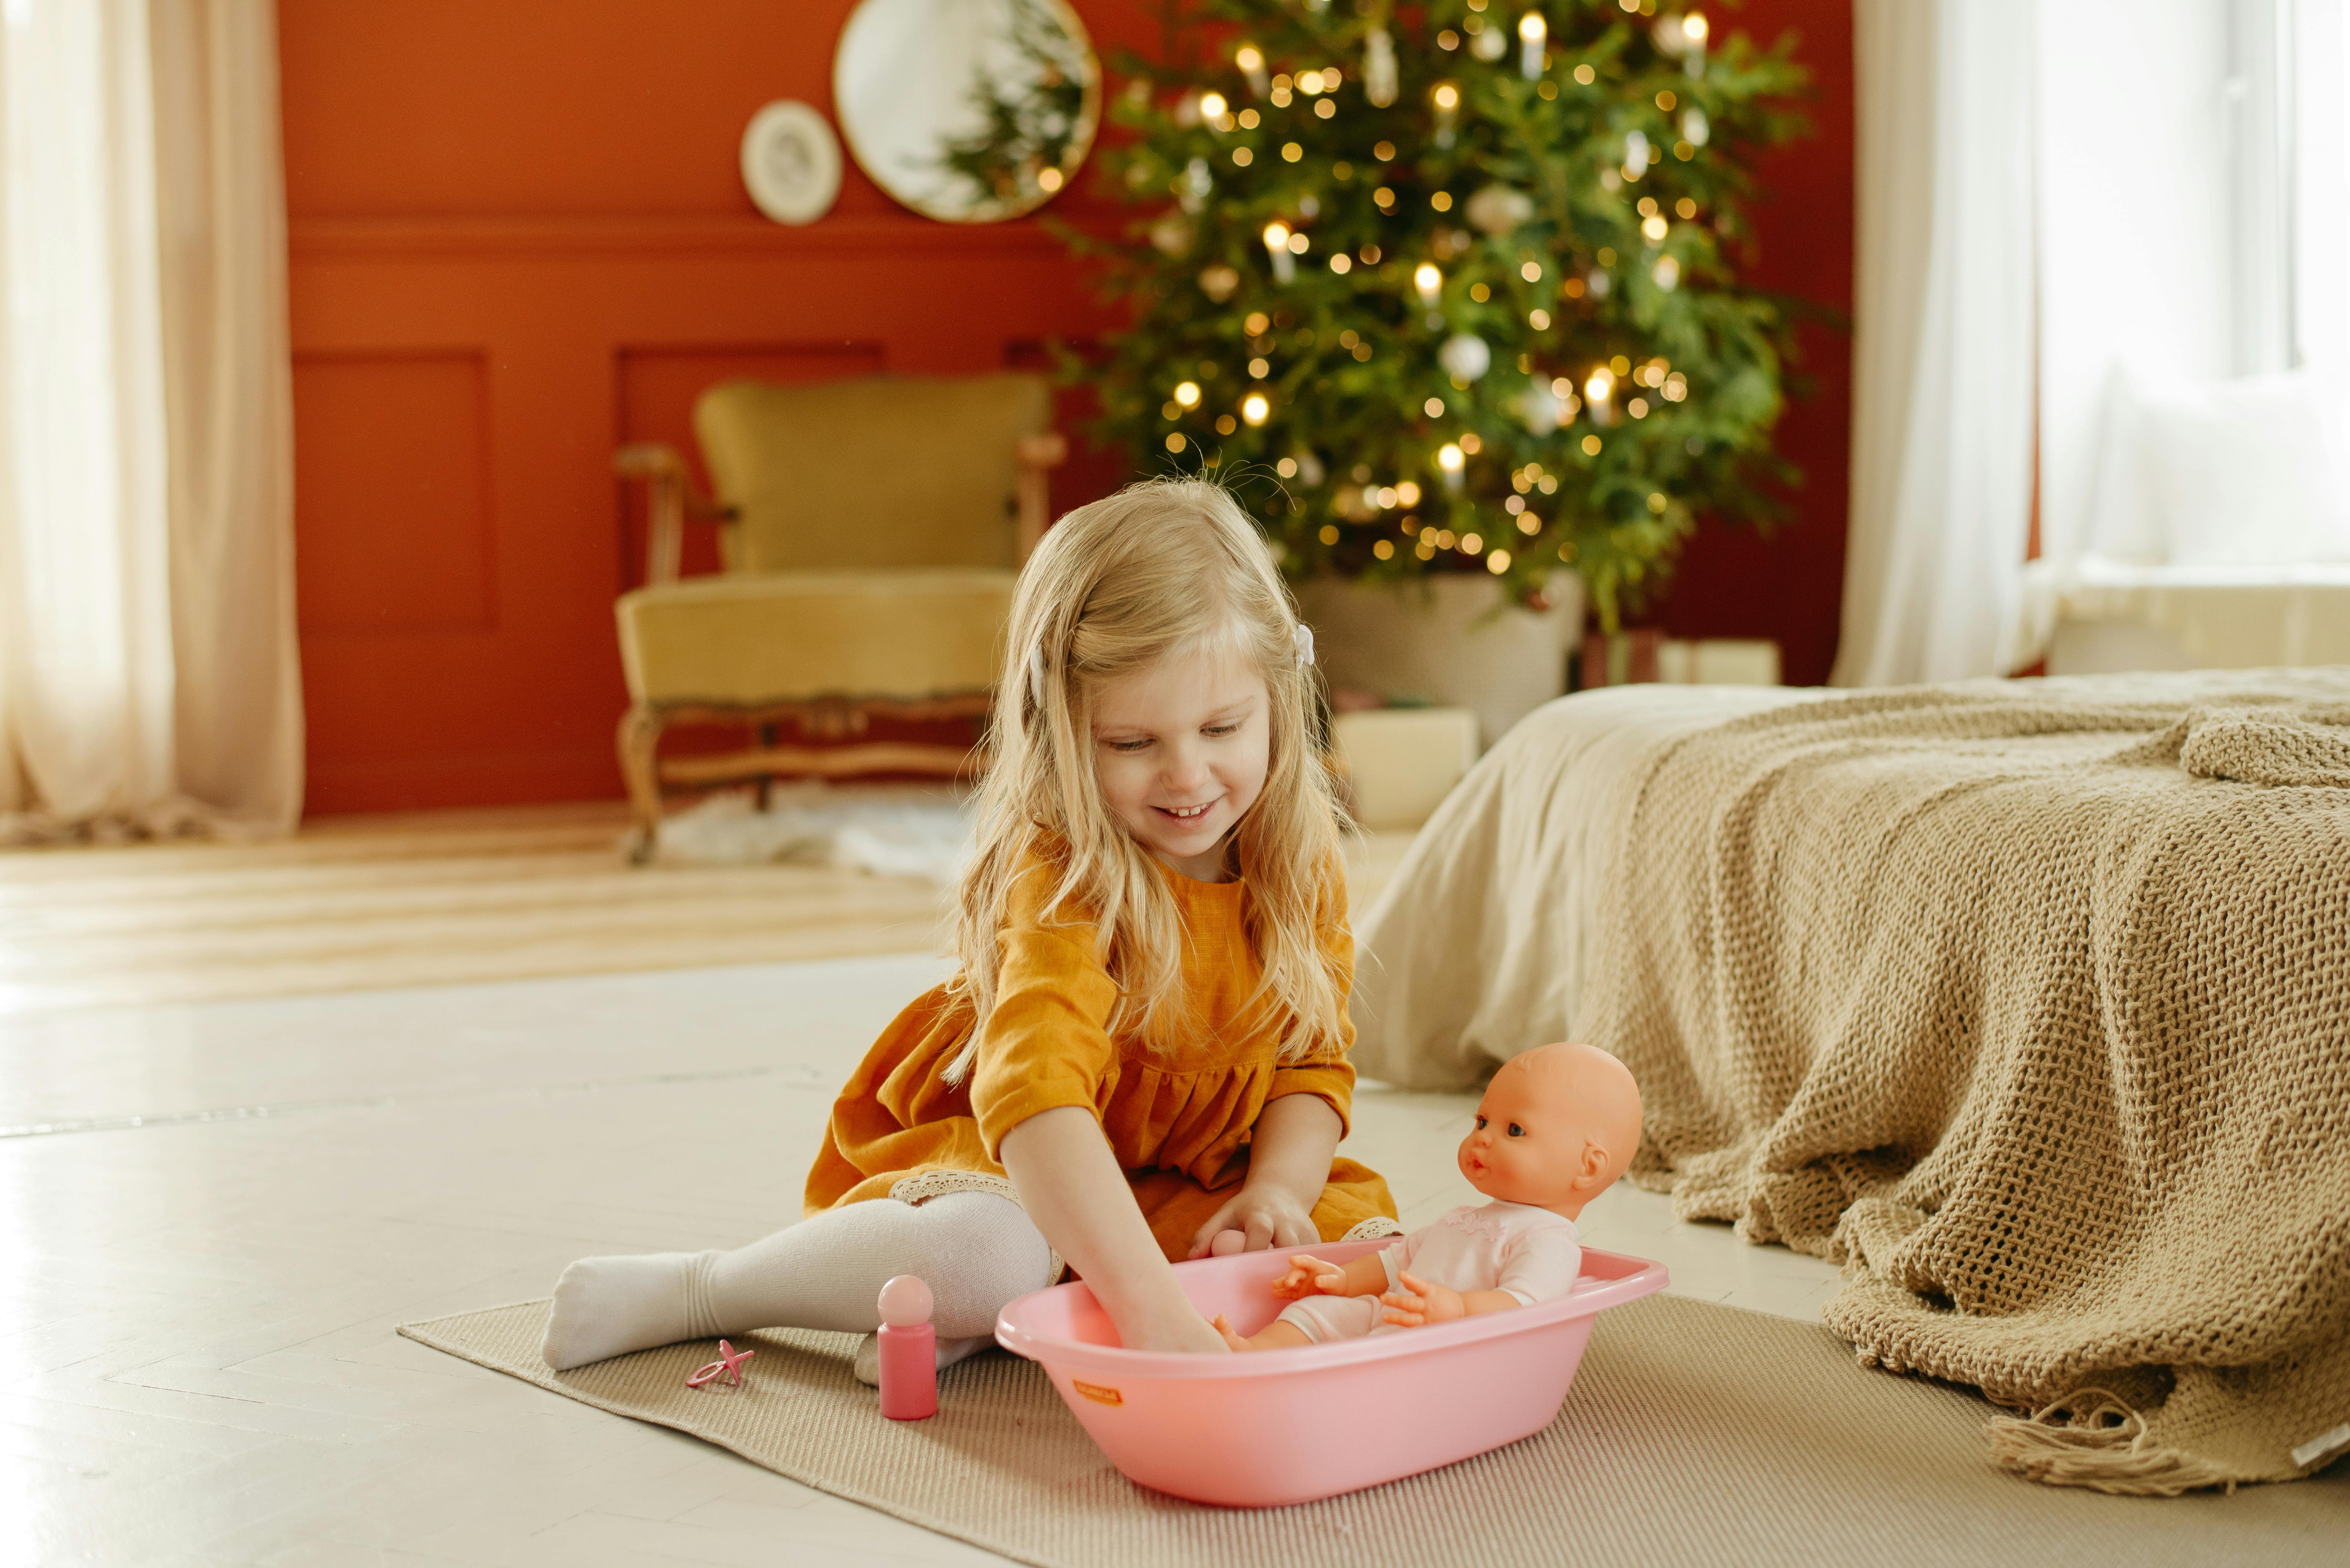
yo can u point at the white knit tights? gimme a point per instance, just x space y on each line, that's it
976 1251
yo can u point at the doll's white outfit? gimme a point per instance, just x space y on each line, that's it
1531 1252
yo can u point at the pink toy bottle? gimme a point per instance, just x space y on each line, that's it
909 1348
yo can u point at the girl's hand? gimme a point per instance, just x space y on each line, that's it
1290 1149
1252 1219
1310 1276
1183 1330
1419 1303
1233 1341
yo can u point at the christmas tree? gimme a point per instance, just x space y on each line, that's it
1448 288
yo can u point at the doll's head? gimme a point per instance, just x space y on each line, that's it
1156 713
1556 1127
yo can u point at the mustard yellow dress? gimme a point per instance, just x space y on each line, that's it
1178 1120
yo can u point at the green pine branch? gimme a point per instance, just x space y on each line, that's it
1553 249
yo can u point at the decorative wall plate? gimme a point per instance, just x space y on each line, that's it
791 162
969 111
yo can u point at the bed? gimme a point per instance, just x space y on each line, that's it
2027 1001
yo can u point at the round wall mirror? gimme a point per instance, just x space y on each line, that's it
969 111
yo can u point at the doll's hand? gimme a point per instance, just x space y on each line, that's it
1251 1222
1419 1303
1310 1276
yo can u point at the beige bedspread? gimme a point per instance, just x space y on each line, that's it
2028 1002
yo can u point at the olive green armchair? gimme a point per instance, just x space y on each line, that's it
870 531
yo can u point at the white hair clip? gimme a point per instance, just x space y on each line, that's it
1303 635
1036 675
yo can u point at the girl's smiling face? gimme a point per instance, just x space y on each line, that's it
1181 750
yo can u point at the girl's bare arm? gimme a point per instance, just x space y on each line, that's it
1070 1184
1291 1147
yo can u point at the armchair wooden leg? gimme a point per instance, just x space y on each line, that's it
639 743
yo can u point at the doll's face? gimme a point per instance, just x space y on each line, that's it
1555 1129
1524 1145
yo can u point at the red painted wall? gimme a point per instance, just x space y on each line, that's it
1788 584
519 239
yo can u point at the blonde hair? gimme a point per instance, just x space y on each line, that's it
1162 567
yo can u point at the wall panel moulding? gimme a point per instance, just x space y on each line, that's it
326 238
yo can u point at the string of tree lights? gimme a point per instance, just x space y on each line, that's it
1458 277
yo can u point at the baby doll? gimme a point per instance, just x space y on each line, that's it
1556 1126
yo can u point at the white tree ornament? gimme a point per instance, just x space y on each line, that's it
1465 356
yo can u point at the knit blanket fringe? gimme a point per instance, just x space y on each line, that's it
2093 1439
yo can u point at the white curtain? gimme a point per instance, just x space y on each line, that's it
2137 250
149 674
2320 81
1942 349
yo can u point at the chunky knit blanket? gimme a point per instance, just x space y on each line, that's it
2027 1001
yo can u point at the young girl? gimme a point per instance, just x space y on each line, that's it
1143 1057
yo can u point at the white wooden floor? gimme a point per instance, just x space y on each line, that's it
216 1213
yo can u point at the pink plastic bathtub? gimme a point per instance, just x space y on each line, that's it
1290 1425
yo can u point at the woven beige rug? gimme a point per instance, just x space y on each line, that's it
1694 1434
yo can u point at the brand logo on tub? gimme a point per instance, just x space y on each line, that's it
1097 1394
